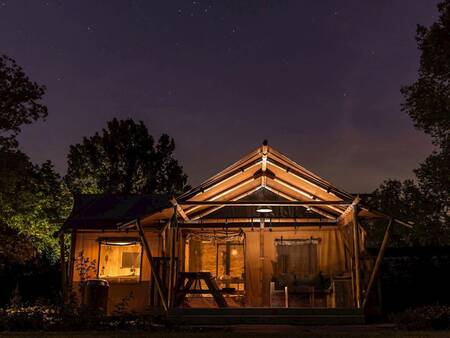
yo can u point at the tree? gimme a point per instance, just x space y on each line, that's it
406 201
426 201
427 101
31 196
32 201
19 101
124 159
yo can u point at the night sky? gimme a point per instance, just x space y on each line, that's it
319 79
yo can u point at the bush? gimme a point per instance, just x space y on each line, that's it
29 318
51 318
435 317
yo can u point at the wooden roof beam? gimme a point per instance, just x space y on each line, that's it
220 180
303 193
350 208
312 180
291 198
195 206
207 212
180 209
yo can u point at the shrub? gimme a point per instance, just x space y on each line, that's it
435 317
26 318
51 318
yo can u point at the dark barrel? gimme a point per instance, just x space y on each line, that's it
96 295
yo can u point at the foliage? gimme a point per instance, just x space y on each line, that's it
32 197
121 307
53 318
433 178
19 101
426 201
427 101
124 159
30 318
14 247
435 317
407 201
85 267
32 200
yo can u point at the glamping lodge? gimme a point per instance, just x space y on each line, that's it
263 237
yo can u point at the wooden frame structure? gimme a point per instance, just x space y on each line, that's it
227 200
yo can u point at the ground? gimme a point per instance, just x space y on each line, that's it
250 332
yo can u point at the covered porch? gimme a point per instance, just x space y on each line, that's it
269 233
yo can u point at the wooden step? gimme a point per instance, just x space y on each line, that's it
290 316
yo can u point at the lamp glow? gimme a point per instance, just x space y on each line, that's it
264 210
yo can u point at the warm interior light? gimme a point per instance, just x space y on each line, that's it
234 252
119 243
264 210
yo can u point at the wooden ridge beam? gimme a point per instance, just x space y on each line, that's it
255 220
264 203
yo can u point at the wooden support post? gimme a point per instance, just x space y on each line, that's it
356 257
261 260
286 297
173 229
71 260
155 272
62 248
376 268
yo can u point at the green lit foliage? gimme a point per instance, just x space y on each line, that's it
33 201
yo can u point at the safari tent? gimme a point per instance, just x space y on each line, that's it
264 234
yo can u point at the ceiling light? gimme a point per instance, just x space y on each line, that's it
264 210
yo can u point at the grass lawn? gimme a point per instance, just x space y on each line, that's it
247 332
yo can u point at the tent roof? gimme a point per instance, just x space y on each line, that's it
289 211
268 169
262 177
107 210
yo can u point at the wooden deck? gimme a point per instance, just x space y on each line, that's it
289 316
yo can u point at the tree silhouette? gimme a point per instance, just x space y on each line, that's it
125 159
427 102
19 101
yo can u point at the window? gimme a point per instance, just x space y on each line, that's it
224 260
229 260
297 257
131 260
120 259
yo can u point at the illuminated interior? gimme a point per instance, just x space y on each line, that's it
120 260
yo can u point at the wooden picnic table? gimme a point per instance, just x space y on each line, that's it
190 283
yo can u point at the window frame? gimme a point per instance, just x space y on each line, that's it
132 241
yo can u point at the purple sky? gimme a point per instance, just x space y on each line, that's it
319 79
